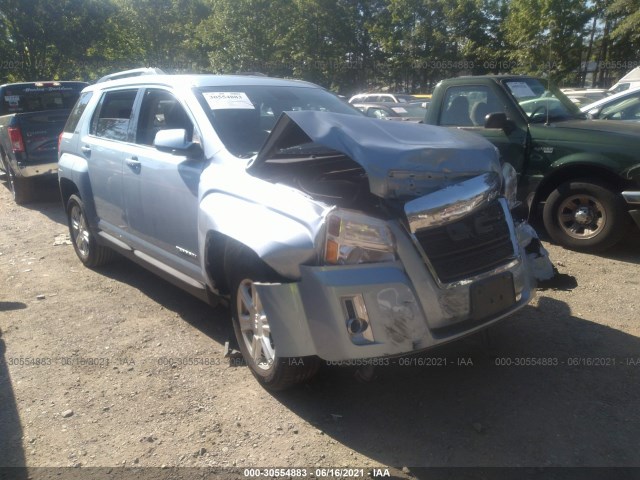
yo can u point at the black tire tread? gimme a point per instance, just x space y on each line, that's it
99 255
21 188
612 201
242 263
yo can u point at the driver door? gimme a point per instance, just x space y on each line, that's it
161 188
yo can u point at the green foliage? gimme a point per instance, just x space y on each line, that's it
628 11
246 35
546 36
48 39
345 45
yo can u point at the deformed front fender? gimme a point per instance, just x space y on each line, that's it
284 238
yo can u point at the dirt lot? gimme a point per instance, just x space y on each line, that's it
117 367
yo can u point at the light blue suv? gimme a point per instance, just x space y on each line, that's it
336 237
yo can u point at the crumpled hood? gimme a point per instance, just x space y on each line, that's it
401 159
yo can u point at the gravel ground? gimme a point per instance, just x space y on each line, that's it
116 367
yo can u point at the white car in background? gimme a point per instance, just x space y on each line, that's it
621 106
629 82
584 96
377 97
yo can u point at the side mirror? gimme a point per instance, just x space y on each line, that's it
500 121
175 141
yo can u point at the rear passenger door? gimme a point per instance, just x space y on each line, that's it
109 133
160 188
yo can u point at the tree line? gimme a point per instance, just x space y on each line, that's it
344 45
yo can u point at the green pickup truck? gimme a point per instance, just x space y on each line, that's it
584 174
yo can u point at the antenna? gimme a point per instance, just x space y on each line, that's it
551 22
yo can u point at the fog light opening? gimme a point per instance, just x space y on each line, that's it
357 320
355 325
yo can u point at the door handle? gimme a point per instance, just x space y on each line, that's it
133 163
86 150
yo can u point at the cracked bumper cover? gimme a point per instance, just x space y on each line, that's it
407 310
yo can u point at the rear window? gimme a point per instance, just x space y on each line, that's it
37 97
76 113
111 118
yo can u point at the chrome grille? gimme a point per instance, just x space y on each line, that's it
470 246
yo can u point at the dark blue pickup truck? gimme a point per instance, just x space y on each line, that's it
32 116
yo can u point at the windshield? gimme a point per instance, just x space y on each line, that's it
410 110
243 116
542 101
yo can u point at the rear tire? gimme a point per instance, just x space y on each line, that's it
585 215
252 330
21 188
90 253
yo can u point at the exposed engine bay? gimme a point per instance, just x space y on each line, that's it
325 175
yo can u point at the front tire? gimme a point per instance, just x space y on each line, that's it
252 329
585 215
90 253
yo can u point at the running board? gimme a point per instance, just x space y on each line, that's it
115 241
163 268
169 270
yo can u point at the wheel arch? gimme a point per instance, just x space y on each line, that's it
282 240
215 246
78 183
574 171
67 188
219 252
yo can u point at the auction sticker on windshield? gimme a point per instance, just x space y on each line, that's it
520 89
228 100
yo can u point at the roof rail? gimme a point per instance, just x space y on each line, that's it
136 72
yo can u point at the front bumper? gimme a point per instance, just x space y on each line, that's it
406 308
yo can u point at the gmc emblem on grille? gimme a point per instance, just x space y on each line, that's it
480 226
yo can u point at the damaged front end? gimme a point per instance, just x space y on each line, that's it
418 245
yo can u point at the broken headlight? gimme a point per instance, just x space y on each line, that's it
510 185
353 238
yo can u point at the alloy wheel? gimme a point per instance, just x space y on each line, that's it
254 325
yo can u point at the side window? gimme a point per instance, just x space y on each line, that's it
625 109
160 110
377 113
76 113
112 117
467 106
622 87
